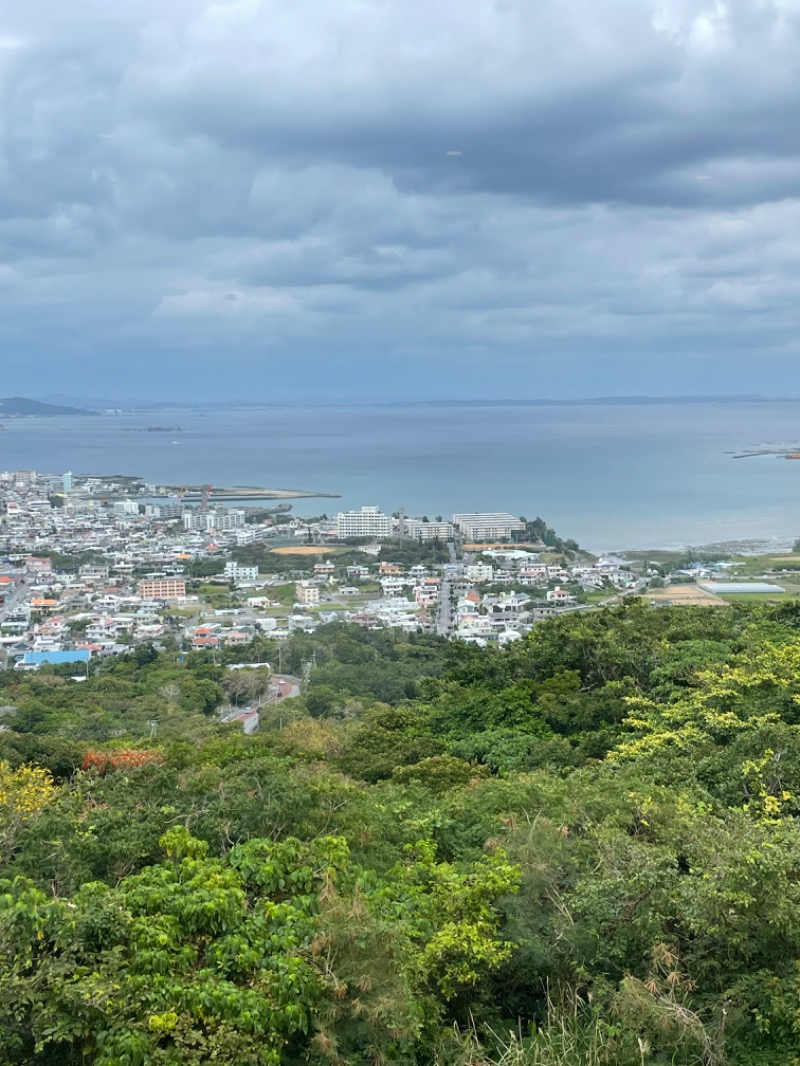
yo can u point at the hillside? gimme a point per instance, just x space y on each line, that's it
19 407
580 850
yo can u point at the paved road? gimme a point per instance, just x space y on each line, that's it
14 599
444 612
283 687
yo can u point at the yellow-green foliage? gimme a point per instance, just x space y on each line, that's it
23 794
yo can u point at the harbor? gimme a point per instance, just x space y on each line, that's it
244 495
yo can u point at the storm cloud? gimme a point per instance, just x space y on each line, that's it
377 199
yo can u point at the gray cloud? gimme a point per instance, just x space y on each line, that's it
244 184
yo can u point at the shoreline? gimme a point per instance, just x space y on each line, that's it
745 546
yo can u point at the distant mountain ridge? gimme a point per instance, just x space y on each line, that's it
19 406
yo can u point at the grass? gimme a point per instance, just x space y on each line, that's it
756 597
757 565
598 595
307 549
182 612
285 595
669 558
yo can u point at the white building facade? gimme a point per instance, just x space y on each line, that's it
420 530
240 573
487 527
368 522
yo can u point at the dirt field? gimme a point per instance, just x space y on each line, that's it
685 596
304 549
785 559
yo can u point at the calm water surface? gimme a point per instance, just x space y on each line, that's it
635 476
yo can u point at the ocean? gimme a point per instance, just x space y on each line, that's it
612 477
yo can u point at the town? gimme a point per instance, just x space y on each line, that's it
92 566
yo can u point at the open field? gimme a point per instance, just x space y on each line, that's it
305 549
685 596
756 565
601 595
756 597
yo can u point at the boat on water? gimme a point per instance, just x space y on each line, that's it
792 455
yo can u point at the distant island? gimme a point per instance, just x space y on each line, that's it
591 401
109 407
20 407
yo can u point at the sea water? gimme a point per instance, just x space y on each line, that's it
609 476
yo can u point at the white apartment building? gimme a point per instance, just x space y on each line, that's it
480 572
224 520
307 593
368 522
420 530
394 584
487 527
240 573
125 507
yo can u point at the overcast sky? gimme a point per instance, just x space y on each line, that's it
392 199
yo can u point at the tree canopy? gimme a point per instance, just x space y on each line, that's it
583 848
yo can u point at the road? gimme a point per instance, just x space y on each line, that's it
444 613
282 687
14 599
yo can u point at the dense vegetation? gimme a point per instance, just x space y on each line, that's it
581 849
538 531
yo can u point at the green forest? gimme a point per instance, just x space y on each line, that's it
583 848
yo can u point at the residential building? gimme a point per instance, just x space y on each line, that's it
487 527
35 565
307 593
426 595
368 522
393 585
162 588
419 530
236 572
560 596
224 520
163 510
125 507
479 572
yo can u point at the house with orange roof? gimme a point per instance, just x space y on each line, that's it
205 642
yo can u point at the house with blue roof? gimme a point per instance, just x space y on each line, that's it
32 660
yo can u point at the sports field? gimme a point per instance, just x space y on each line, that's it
685 596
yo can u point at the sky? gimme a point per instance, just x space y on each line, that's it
399 199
